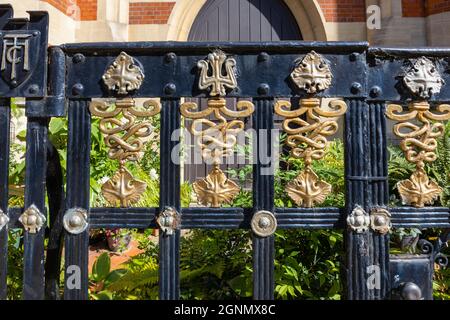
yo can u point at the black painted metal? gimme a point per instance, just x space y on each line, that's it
35 180
78 151
169 261
5 115
263 198
365 77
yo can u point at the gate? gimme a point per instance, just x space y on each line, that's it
372 84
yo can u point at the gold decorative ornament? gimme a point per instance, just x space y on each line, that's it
212 73
380 220
423 78
216 141
312 73
32 219
123 75
419 146
358 220
124 136
308 141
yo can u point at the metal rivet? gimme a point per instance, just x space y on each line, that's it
263 89
78 58
75 220
354 56
375 92
263 56
170 88
356 87
14 83
77 89
170 57
33 89
36 33
264 223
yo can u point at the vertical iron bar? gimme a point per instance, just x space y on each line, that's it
169 259
5 117
78 153
263 199
365 159
35 174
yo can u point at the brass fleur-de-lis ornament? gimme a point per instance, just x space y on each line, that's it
217 81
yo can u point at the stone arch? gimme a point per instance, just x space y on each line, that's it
307 13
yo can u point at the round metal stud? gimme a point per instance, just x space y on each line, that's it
410 291
75 220
375 92
263 89
264 223
77 89
354 56
170 57
78 58
33 89
170 88
356 87
263 56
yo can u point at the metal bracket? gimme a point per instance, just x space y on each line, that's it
32 219
264 223
4 220
75 220
168 220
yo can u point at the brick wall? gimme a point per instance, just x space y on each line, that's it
343 10
150 12
424 8
84 10
413 8
437 6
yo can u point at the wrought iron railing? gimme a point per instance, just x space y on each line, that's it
369 85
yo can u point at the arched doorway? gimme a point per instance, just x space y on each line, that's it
244 20
239 20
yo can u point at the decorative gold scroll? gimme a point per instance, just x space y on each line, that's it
419 145
216 141
124 136
308 140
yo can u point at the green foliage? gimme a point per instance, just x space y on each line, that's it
15 264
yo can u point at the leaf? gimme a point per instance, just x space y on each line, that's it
114 275
101 267
102 295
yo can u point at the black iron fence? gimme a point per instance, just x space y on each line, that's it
409 86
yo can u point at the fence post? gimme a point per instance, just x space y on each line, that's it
263 197
366 186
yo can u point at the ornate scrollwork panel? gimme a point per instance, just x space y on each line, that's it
308 141
125 134
418 130
216 140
